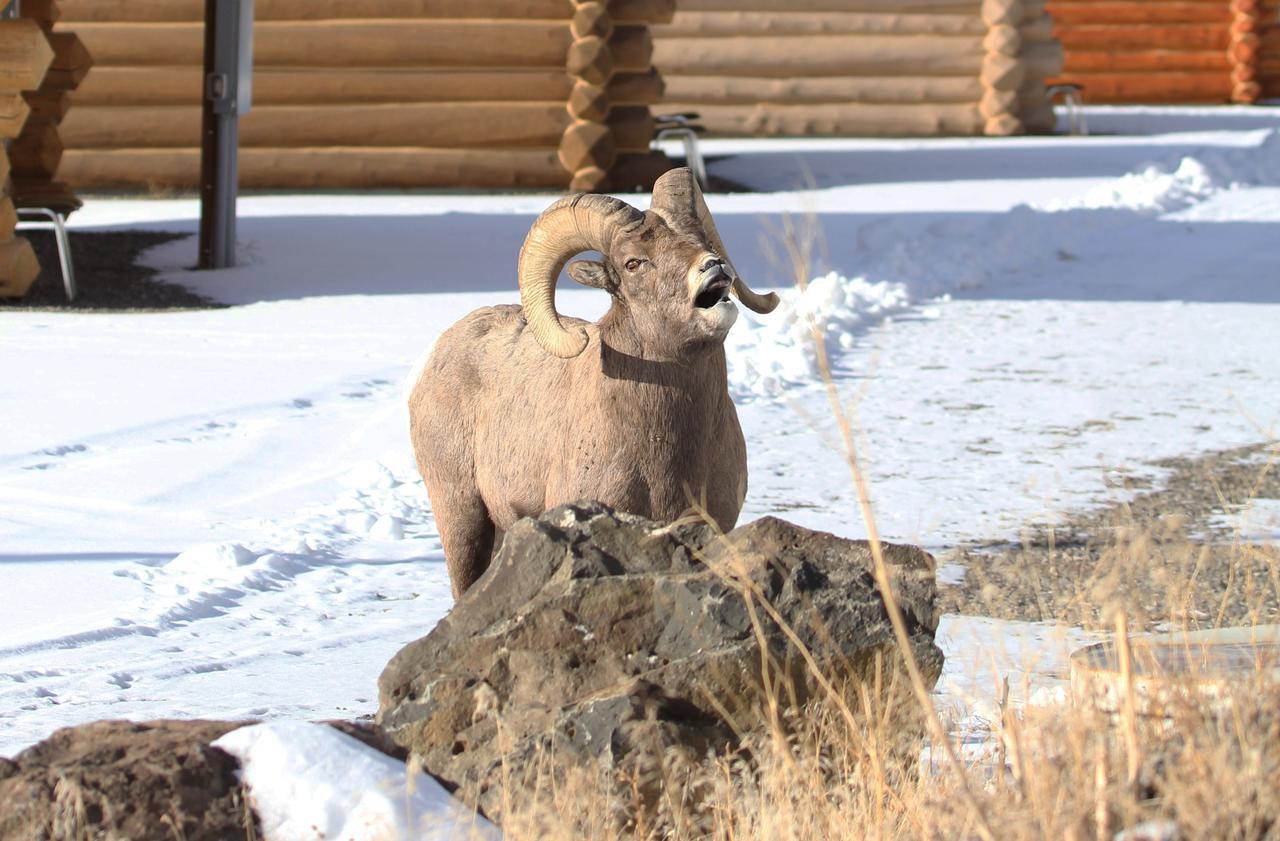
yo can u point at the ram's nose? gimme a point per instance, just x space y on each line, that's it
712 263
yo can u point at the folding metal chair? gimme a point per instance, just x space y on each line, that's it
50 212
681 127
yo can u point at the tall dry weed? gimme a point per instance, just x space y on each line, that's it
843 766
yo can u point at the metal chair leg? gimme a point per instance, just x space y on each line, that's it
59 226
692 154
1071 102
64 255
693 157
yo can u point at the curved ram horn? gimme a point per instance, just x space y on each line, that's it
577 223
678 200
673 200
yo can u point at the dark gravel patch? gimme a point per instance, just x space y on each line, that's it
1158 557
108 276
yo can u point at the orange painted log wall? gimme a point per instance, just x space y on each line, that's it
1170 51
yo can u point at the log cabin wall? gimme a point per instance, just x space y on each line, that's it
1265 22
1268 60
1170 51
860 67
25 56
36 153
38 66
376 94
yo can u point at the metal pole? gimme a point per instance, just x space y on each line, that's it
224 37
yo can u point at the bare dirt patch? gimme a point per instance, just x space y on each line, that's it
1161 556
108 275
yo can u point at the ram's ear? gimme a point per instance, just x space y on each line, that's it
592 273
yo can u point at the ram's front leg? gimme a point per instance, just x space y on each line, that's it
466 533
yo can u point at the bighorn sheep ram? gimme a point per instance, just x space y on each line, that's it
519 409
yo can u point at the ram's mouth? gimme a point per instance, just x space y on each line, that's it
714 290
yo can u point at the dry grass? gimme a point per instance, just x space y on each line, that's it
849 765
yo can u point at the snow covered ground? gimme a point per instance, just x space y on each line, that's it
216 513
308 782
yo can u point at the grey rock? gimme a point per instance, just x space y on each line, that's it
143 781
602 643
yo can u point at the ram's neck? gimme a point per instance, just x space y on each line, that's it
697 373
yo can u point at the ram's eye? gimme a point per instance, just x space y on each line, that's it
633 264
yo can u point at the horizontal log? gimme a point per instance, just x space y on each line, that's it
1036 29
48 105
832 55
632 48
1042 60
71 62
14 111
1154 61
19 267
313 86
1139 11
44 12
1037 117
1271 41
763 120
177 11
444 125
1188 36
892 6
632 128
1153 88
331 168
8 217
37 151
636 88
25 55
638 170
738 90
44 193
772 24
1054 4
365 43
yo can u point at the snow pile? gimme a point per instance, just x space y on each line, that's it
1176 184
906 261
770 353
310 782
1154 189
1258 521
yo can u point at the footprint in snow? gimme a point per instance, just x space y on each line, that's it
65 449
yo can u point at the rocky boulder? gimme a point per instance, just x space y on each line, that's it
143 781
602 642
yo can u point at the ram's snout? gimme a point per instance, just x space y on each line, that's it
713 283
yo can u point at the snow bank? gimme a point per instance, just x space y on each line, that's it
310 782
770 353
1177 183
908 261
1258 521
